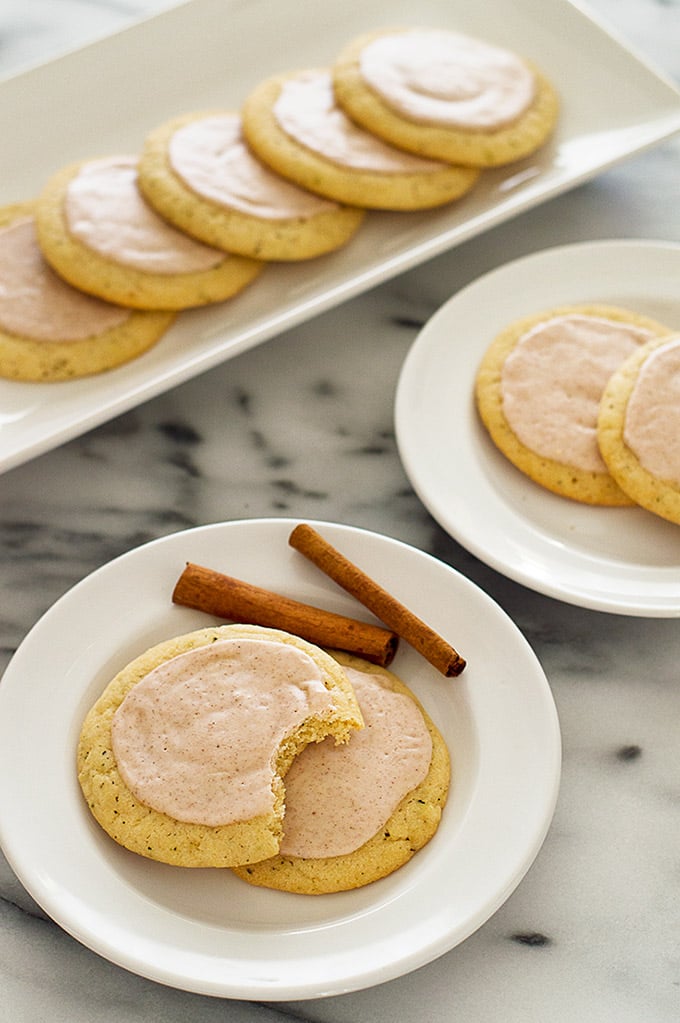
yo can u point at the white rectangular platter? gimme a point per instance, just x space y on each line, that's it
105 98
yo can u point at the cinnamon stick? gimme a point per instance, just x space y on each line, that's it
225 597
384 606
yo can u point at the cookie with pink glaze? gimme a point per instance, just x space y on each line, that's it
294 125
201 176
98 232
446 95
181 758
358 812
538 391
50 331
639 427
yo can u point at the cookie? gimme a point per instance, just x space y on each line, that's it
538 392
181 758
198 172
97 231
358 812
50 331
446 96
639 427
293 124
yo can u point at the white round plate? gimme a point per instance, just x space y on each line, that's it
205 930
622 560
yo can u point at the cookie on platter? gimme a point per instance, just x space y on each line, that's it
98 232
446 95
294 125
198 173
50 331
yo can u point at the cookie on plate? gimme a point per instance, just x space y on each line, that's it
294 125
97 231
538 391
639 427
198 172
358 812
446 95
181 758
50 331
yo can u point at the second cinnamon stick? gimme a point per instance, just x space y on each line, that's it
384 606
225 597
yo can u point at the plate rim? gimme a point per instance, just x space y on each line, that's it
369 974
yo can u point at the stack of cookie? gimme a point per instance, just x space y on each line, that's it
182 760
405 119
585 401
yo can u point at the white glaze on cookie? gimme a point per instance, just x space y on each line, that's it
448 79
35 303
106 212
652 422
306 111
197 737
211 158
553 380
337 797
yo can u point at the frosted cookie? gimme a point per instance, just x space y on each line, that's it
445 95
358 812
97 231
181 759
294 125
538 392
639 427
198 172
50 331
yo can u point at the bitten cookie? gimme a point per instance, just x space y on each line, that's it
197 171
538 392
358 812
294 125
50 331
446 95
639 427
97 231
181 759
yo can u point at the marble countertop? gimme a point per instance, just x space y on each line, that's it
291 429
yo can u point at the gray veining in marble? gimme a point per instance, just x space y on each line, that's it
303 426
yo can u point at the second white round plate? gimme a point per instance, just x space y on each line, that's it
205 930
621 560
